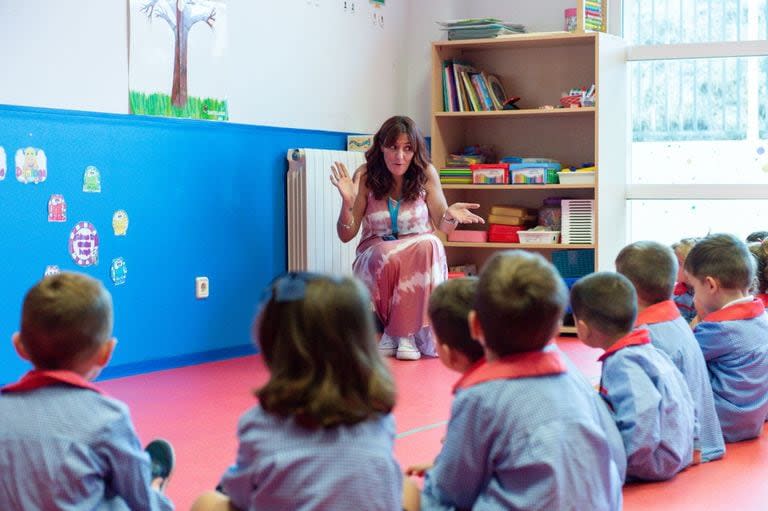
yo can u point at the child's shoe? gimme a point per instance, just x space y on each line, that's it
162 458
407 350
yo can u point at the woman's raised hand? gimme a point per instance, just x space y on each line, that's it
460 211
341 179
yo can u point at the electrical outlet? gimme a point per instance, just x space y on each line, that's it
201 287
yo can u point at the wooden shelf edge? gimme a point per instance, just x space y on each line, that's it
528 112
526 246
517 187
568 330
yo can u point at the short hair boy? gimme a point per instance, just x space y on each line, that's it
652 269
649 397
733 333
449 307
521 430
62 443
683 292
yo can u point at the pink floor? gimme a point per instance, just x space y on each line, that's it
197 408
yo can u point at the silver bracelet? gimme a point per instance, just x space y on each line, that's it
345 225
449 220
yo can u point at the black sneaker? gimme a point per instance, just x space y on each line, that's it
162 458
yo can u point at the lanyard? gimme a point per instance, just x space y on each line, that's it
393 211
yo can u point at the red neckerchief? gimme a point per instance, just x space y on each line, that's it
634 338
520 365
36 379
743 310
658 313
680 288
763 298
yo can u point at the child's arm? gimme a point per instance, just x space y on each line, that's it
461 468
130 467
419 469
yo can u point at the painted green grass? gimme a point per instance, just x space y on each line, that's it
160 104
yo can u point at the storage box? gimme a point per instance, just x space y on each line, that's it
490 173
467 235
539 237
504 233
576 178
574 263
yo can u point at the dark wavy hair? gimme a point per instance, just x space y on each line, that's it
320 348
379 180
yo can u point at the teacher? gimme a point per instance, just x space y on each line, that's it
397 199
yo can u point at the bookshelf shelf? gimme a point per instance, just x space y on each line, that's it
529 112
538 68
518 187
526 246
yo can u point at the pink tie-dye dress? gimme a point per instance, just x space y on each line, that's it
401 274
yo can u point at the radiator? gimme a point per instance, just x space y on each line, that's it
313 208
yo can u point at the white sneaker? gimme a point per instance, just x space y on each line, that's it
387 346
407 350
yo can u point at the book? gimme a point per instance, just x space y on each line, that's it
511 220
482 90
509 211
496 89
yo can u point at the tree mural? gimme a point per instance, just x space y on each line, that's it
181 16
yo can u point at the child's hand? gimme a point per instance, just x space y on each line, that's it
418 470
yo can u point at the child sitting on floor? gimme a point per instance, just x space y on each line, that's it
683 291
760 283
63 444
733 333
647 394
522 433
652 269
321 436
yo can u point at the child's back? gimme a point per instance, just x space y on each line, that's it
733 333
650 400
61 443
652 268
532 441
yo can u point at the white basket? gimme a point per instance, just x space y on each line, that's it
539 237
576 178
578 219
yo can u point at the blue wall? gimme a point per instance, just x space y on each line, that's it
203 198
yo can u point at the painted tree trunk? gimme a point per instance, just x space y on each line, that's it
179 90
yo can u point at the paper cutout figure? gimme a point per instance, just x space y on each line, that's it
84 244
2 163
51 269
31 165
120 222
57 208
92 180
118 271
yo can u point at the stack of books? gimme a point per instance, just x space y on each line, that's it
505 222
457 168
593 15
465 89
479 28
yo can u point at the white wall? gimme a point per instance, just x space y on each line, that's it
307 64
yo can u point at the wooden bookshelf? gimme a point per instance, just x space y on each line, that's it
539 68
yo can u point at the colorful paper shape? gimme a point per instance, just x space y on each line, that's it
84 244
118 271
92 180
57 208
51 269
31 165
120 222
3 161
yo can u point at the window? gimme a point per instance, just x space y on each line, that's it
699 106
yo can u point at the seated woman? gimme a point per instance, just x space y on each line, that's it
397 198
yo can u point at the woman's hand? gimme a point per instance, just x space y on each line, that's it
460 212
341 179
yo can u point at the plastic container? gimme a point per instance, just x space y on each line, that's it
539 237
570 20
574 263
504 233
576 178
467 235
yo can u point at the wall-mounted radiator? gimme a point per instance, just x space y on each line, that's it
313 208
